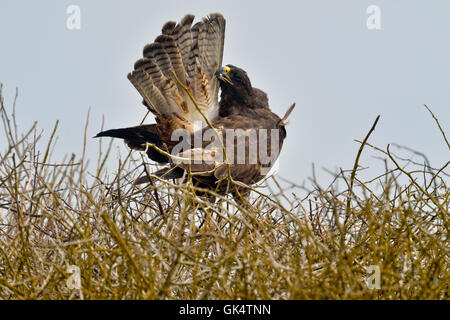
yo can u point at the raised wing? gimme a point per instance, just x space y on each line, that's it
194 53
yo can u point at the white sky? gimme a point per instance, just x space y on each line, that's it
319 54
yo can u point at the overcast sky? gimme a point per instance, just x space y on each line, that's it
320 54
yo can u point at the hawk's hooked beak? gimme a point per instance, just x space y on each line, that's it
223 74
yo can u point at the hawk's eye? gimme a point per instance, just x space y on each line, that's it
227 69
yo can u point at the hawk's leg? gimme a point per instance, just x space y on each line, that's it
242 197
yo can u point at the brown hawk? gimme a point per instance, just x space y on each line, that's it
179 79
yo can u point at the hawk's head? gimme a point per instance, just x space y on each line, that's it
234 81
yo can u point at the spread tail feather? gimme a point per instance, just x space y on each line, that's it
193 53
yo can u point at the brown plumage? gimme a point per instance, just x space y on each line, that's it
192 55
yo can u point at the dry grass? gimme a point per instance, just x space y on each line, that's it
165 242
